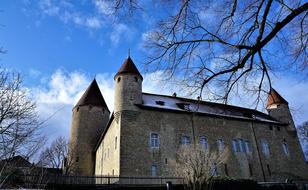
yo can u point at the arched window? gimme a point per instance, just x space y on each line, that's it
119 79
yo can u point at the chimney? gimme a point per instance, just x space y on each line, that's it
174 94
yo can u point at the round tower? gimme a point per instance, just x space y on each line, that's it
278 108
90 116
128 87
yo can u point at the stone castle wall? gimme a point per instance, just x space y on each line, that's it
136 127
108 152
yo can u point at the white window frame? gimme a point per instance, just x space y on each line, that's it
154 141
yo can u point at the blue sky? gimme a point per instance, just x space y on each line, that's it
59 47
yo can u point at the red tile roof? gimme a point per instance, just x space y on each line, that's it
275 98
128 67
92 96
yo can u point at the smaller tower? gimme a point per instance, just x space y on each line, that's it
90 116
278 108
128 87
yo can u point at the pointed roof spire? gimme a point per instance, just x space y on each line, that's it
128 67
275 98
92 96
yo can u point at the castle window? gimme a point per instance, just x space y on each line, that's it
119 79
214 170
115 142
271 127
77 159
220 144
248 147
226 170
234 145
278 128
136 79
161 103
204 143
265 148
154 140
154 170
268 169
285 148
241 145
166 161
250 169
185 140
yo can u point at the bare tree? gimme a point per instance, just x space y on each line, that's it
302 131
54 155
212 46
19 126
197 165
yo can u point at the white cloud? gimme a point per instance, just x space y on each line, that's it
104 7
34 73
93 22
66 13
49 8
120 32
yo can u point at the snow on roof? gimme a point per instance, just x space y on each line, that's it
172 103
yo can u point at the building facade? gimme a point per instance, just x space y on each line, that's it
143 135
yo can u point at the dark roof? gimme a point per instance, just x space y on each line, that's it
16 161
175 104
128 67
275 98
92 96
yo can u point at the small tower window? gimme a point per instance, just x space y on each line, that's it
115 142
119 79
285 148
136 79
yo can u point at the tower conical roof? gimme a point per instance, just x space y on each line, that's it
275 98
92 96
128 67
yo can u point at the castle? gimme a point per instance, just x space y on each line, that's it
143 133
